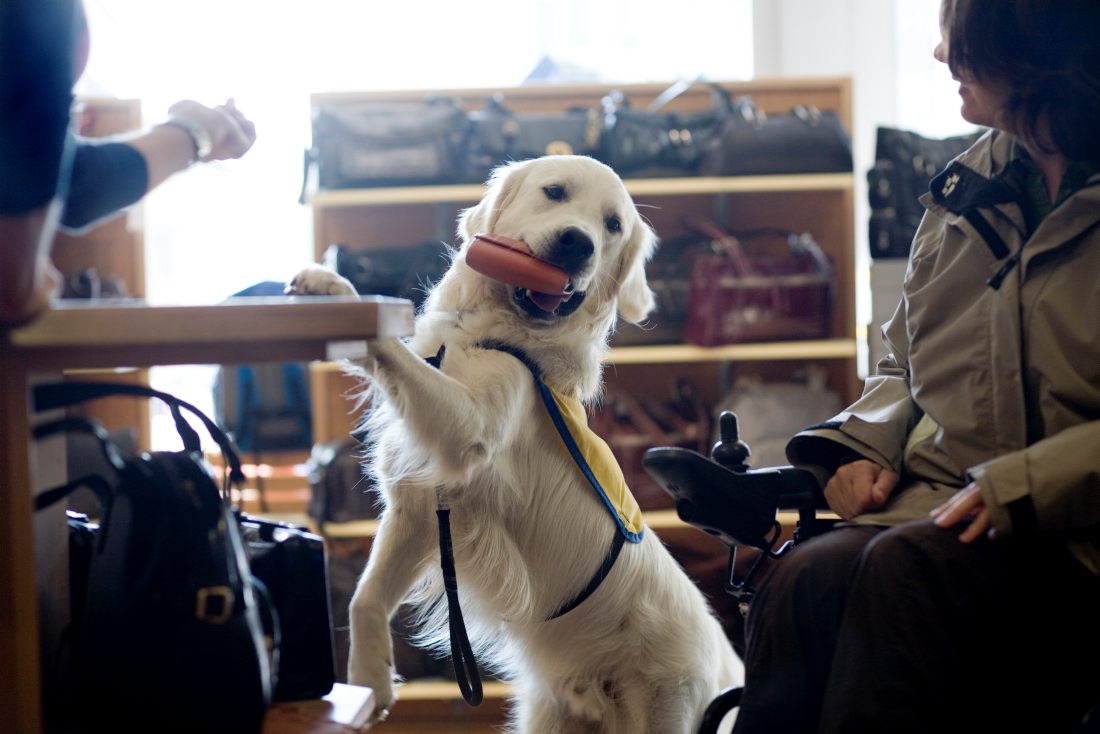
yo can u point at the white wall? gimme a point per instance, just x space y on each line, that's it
885 46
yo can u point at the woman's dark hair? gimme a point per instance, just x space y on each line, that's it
1048 53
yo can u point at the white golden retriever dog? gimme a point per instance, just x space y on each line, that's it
643 652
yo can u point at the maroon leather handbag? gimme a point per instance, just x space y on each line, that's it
762 286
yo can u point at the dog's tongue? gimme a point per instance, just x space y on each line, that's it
545 301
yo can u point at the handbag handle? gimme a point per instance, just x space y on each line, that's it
730 244
726 244
62 394
670 93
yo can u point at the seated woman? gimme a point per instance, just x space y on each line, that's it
967 572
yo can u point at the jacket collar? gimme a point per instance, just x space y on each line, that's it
976 180
977 187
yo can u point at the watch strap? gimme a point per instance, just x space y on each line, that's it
198 134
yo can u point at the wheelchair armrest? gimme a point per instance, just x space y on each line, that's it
739 508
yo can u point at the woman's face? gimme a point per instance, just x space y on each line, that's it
983 102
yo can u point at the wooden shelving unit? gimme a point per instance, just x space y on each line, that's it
822 204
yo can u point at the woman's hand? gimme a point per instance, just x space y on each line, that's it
966 504
858 487
231 133
173 146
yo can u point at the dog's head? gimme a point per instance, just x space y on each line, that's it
575 213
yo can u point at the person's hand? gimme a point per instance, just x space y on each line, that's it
47 284
966 504
231 133
28 280
858 487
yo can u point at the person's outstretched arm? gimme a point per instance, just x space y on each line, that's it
114 173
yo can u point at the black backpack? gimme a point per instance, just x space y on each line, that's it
167 632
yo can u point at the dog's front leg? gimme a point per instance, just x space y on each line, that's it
458 423
401 549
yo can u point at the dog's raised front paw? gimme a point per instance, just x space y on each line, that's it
379 678
317 280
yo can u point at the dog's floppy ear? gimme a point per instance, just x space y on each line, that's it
636 300
501 187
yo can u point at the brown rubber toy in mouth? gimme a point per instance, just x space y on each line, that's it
510 261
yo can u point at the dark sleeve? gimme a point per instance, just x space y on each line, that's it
106 178
36 78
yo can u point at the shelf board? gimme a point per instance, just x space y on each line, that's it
740 184
458 193
366 528
656 519
842 348
435 690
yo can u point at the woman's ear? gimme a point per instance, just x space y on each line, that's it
636 300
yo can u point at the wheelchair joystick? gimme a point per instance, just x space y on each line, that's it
730 451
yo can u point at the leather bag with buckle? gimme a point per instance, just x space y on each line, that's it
167 632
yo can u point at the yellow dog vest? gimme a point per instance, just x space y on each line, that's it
594 458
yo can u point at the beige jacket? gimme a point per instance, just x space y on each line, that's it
999 384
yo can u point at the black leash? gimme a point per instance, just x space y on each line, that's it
466 670
462 655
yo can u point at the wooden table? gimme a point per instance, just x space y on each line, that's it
89 334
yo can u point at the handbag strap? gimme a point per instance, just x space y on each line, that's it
670 93
63 394
726 244
94 482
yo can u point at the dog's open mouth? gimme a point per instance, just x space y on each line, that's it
543 289
548 305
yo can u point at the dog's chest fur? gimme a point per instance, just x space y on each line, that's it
515 519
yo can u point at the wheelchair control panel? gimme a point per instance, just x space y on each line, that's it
722 496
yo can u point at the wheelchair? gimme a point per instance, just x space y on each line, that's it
703 489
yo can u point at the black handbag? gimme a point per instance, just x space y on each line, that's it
402 272
291 563
168 632
363 144
905 163
655 142
340 488
499 134
805 140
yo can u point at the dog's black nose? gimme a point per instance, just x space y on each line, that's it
573 249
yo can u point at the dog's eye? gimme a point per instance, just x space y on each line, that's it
554 192
613 224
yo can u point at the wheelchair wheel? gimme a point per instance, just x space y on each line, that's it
725 702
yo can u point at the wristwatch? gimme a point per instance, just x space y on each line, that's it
199 136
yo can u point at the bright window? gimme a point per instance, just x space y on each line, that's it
221 227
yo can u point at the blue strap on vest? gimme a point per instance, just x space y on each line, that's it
623 533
